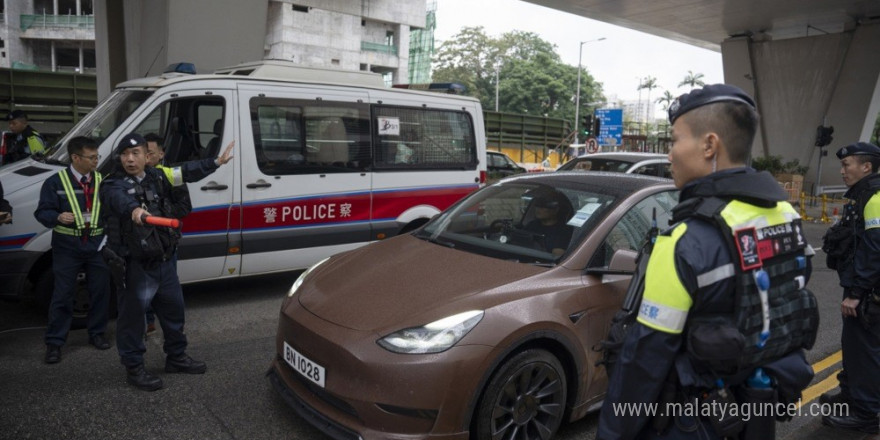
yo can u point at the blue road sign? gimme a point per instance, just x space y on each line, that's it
611 127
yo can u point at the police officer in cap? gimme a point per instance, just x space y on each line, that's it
853 249
703 332
21 141
133 192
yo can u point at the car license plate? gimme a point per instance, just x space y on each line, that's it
303 365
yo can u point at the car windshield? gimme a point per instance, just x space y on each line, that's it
101 121
588 164
528 222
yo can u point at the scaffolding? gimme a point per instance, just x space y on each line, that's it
421 47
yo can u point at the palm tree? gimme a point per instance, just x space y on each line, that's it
666 99
649 83
693 79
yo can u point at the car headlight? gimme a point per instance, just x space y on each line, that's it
434 337
302 277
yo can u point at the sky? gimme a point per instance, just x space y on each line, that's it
618 62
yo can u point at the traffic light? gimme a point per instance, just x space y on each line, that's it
823 135
587 126
597 123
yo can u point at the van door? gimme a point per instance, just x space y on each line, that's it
305 183
192 125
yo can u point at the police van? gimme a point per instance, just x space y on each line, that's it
325 161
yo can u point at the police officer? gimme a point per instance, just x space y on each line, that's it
187 172
857 254
22 140
178 176
69 204
703 333
132 192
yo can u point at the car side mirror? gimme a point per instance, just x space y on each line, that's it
623 262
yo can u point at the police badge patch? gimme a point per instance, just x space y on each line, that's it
747 246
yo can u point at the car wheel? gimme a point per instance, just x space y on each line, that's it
524 400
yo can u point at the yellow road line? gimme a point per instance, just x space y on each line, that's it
817 390
827 362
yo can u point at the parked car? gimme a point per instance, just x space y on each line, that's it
470 325
651 164
500 165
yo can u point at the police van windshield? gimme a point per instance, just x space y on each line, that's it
101 121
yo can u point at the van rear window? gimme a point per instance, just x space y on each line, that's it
407 138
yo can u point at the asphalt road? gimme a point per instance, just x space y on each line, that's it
231 326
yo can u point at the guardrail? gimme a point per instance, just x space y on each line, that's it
57 21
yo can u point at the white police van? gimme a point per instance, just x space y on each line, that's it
325 161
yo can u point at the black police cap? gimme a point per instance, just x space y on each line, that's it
130 141
707 95
16 114
858 148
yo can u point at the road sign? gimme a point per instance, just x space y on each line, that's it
611 126
592 145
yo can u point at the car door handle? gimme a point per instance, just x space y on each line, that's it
259 185
214 187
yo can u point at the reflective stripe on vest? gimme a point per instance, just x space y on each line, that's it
872 212
666 302
174 175
79 220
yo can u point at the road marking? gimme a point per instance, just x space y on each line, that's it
827 362
829 383
820 388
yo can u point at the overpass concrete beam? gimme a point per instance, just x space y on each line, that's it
802 83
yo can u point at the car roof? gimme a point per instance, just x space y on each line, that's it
624 155
617 184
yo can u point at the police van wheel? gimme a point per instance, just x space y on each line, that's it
525 398
46 284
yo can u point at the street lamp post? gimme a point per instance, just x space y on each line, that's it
577 96
496 88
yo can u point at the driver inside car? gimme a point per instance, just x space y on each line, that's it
551 214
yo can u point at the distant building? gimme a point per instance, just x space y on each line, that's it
56 35
639 111
367 35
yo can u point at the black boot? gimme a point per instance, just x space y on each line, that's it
184 364
140 378
830 398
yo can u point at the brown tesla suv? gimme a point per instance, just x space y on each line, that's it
481 324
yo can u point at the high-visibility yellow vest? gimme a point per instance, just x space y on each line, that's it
80 223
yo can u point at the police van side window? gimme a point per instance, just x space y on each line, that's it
179 122
300 137
418 138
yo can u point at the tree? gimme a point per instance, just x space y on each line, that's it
666 99
649 83
693 80
532 77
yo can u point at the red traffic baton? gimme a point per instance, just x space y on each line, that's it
160 221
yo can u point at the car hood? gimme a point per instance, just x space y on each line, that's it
391 283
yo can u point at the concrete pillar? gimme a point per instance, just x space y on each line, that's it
52 55
79 8
802 83
54 12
